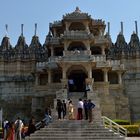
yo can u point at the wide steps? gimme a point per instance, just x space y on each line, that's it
74 130
74 138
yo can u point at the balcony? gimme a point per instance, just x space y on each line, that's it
100 40
76 52
76 35
100 61
53 40
116 65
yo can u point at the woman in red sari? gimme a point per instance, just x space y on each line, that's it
11 132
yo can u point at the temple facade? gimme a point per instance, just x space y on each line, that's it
77 54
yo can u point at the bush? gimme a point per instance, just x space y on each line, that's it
122 122
1 133
132 130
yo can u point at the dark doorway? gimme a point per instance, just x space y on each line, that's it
76 81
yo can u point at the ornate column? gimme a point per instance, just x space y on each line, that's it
64 73
52 51
49 76
105 75
90 72
103 50
87 27
37 79
67 26
54 31
87 43
119 77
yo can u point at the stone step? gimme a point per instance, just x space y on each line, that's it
68 134
74 138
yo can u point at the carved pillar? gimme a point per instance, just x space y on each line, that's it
87 43
105 75
54 31
90 72
87 27
67 26
37 79
52 51
120 77
49 76
64 73
103 50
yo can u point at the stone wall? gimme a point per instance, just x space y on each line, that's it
132 90
16 98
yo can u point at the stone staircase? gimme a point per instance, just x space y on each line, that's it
74 130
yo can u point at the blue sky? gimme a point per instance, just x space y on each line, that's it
28 12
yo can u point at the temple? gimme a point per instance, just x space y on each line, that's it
77 53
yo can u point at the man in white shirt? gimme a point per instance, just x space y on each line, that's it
18 128
80 107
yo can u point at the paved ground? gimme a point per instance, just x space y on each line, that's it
133 138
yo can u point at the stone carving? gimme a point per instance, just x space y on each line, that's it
77 14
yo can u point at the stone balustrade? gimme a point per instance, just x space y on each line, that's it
97 58
55 40
82 55
116 65
41 65
76 52
77 35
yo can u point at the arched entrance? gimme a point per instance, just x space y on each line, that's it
76 81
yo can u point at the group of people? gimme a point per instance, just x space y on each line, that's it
15 130
84 109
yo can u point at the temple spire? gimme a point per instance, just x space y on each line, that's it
136 27
22 29
6 28
108 24
77 10
121 27
35 28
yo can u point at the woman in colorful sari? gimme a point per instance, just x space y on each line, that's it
70 111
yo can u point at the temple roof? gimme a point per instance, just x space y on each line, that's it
5 44
35 43
77 14
120 42
21 43
134 41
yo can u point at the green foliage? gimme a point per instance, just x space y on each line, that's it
122 122
137 123
132 130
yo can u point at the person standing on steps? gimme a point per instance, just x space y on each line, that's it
70 111
86 109
18 128
59 108
48 115
11 132
90 106
80 107
64 109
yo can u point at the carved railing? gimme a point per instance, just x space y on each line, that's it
76 52
77 35
40 65
108 123
54 40
116 64
98 58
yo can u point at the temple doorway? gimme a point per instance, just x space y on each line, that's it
76 81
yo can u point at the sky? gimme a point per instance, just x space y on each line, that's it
28 12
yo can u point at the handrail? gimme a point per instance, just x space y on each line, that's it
38 124
108 123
